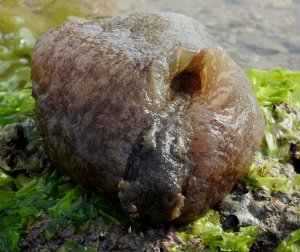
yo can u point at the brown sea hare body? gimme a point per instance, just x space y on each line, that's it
146 108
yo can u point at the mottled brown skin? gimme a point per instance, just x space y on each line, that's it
146 108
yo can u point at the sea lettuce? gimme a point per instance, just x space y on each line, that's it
276 86
209 228
64 201
16 102
265 174
291 243
278 93
70 246
38 16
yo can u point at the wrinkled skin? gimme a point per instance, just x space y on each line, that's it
146 108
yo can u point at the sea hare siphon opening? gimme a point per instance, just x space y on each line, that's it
185 67
194 73
186 82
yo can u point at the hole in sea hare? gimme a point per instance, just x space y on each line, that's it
186 82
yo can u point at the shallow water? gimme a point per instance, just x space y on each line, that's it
263 34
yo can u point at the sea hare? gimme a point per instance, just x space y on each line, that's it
147 109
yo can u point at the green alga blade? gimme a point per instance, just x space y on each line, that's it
70 246
296 181
209 228
38 16
259 177
291 243
5 179
16 102
276 86
278 93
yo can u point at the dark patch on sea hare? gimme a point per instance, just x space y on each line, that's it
146 108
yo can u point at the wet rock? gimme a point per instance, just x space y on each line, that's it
12 144
240 189
258 209
146 108
12 135
291 222
268 242
284 197
261 195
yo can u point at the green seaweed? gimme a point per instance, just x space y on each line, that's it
16 102
70 246
278 93
64 201
276 86
37 16
210 230
5 179
291 243
264 174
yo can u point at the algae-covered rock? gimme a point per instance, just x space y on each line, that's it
146 108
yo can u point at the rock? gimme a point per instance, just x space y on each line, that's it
12 135
146 108
12 144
